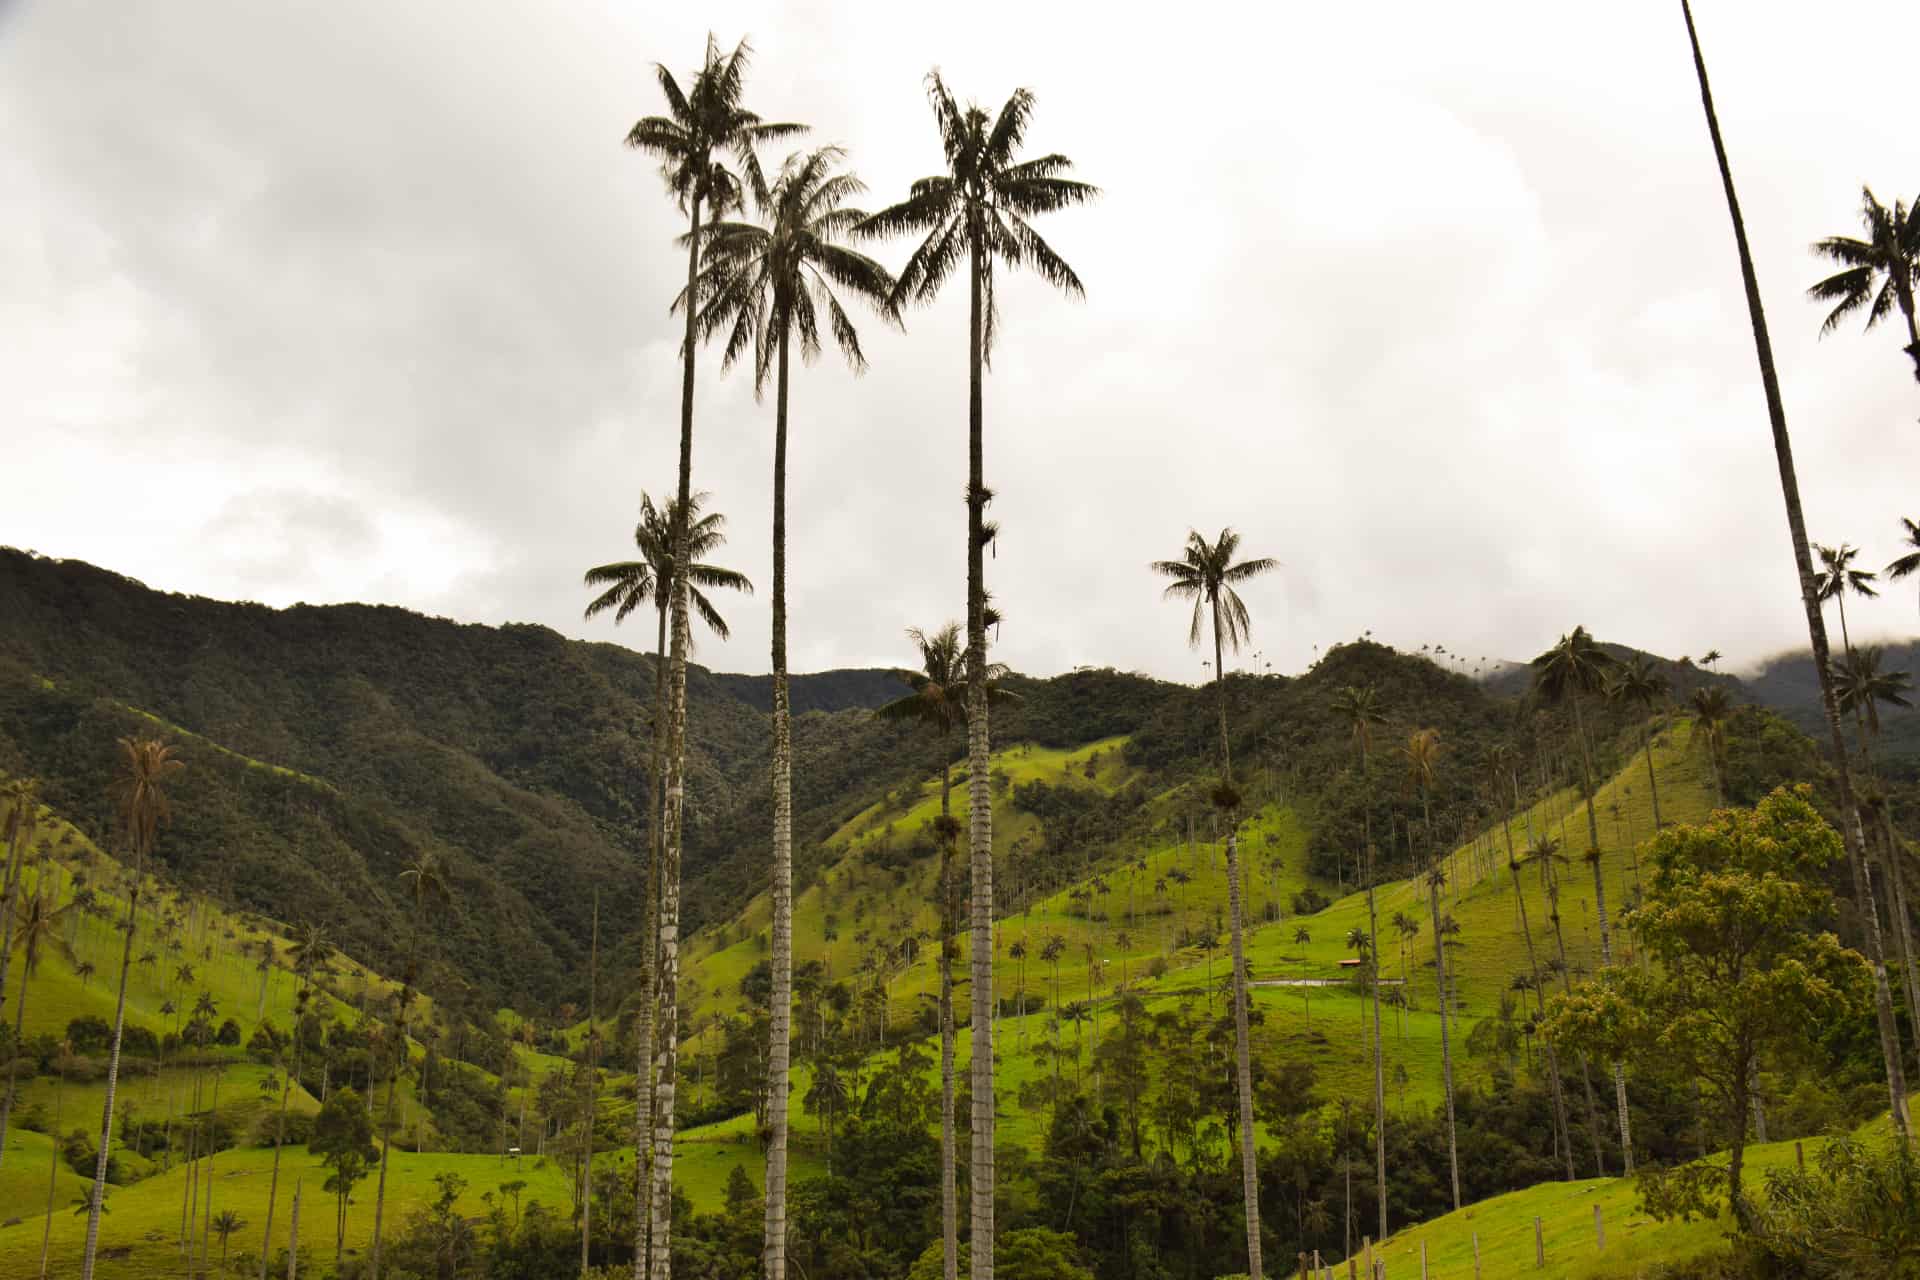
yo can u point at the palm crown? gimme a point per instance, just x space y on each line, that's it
629 584
1206 575
1838 577
762 283
1359 707
1638 680
1575 665
703 124
1908 563
1862 686
939 696
981 204
1878 273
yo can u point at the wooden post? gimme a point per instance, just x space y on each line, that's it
1799 1157
293 1237
1366 1247
1539 1245
1476 1255
1303 1266
1423 1260
1599 1230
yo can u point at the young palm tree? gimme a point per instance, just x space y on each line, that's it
1878 273
705 125
1851 830
1358 707
1207 575
39 929
1506 762
225 1225
141 799
979 210
1639 681
1711 709
939 701
426 881
766 286
1837 578
1573 669
1422 756
627 585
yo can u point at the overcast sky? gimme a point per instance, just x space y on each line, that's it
1437 304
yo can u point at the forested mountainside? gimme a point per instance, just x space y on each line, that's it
328 744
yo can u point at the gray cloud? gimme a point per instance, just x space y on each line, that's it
1437 305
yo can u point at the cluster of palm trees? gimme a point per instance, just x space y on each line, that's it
766 283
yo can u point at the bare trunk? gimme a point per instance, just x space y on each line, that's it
667 1030
949 1191
1446 1049
1619 1072
779 1021
593 1087
279 1139
98 1195
644 1018
1653 782
53 1180
979 792
1810 601
1379 1069
293 1237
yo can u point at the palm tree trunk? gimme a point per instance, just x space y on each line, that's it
53 1178
1446 1049
1566 984
650 930
1379 1068
593 1088
393 1080
949 1192
667 1052
206 1215
1810 602
1242 1063
98 1195
17 839
979 793
1653 782
1564 1133
13 1058
779 1021
1619 1072
279 1138
293 1237
1586 775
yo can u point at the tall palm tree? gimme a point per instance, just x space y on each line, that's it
1851 831
1207 574
1837 578
1358 706
705 125
140 797
1862 687
1878 273
765 286
980 209
1422 756
39 928
939 701
1638 681
17 826
1711 709
627 585
1904 566
426 879
1573 669
1506 763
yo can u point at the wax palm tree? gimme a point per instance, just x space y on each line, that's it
1358 707
140 796
1838 578
1712 708
37 931
426 881
1421 755
979 210
225 1224
1852 831
765 286
1878 273
1575 668
21 817
1905 566
705 125
1862 687
1207 574
1638 681
627 585
939 701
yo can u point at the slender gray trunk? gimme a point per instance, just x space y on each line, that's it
650 931
1851 830
53 1178
1446 1048
293 1237
779 1022
593 1088
98 1195
949 1192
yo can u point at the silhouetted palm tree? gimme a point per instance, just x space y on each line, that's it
1838 578
1639 681
1207 575
978 211
705 124
1852 831
1878 273
141 799
1711 709
1907 564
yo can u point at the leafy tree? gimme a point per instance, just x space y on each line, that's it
141 797
1854 1214
1734 919
343 1139
1877 273
980 207
1207 575
1853 833
765 285
704 125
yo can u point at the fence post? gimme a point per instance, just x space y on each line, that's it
1799 1157
1423 1260
1599 1230
1476 1255
1539 1245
